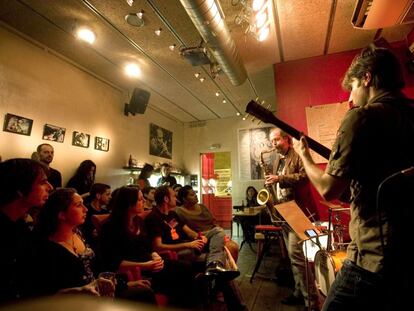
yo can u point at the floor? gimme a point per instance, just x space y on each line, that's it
264 293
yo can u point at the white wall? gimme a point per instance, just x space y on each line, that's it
223 132
45 88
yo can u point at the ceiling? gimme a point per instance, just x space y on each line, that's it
301 29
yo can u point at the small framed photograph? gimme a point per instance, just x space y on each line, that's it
101 143
54 133
80 139
17 124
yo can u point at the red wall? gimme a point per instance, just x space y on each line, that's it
317 81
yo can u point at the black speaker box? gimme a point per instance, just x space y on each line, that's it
139 101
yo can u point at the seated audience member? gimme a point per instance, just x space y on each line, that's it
148 193
199 218
177 188
45 153
168 232
84 178
98 199
124 243
143 178
166 179
251 197
67 261
23 184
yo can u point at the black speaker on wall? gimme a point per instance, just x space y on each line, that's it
138 102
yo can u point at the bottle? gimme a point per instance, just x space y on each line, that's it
130 160
242 203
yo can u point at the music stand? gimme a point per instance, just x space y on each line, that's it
295 218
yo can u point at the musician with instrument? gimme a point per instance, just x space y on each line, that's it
373 158
289 181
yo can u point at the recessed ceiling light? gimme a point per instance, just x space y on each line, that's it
202 79
244 118
217 94
86 35
224 101
238 113
197 74
130 2
158 31
140 14
132 70
172 47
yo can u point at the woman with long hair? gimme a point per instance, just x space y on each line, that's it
143 178
67 261
125 244
84 178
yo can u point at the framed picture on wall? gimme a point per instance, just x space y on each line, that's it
252 142
80 139
160 142
101 143
17 124
54 133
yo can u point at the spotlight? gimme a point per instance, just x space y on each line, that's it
197 74
86 35
238 113
158 31
140 14
224 101
130 2
172 47
202 79
217 94
132 70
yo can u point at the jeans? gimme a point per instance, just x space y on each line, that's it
355 288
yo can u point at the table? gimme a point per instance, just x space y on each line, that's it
248 218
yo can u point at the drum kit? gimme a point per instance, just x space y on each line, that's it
328 250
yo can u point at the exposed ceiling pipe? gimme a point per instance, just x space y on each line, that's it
206 16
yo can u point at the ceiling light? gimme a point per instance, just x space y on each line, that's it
158 31
130 2
197 74
140 14
238 113
263 33
244 118
86 34
224 101
202 79
261 19
132 70
134 20
217 94
172 47
257 4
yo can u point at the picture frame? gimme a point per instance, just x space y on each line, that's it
251 142
101 144
80 139
17 124
160 142
53 133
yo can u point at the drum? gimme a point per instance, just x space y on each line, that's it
310 247
327 265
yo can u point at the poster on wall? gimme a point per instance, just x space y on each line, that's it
80 139
251 143
323 123
160 142
54 133
17 124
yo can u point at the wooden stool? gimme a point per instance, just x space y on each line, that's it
264 235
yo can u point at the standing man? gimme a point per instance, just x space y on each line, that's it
290 181
372 277
166 179
46 154
23 184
